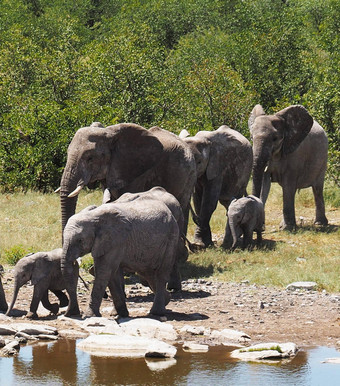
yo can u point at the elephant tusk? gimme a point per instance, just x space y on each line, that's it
265 169
75 192
57 190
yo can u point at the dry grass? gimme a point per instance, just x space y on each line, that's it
31 222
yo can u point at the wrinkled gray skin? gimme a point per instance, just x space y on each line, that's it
170 201
140 235
43 269
289 148
224 161
127 158
245 216
3 302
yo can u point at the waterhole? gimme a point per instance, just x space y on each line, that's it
61 363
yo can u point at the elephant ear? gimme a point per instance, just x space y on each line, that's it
135 150
214 164
256 112
42 268
111 235
298 123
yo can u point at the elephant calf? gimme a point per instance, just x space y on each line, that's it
43 269
245 216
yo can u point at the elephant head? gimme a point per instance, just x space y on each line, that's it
275 136
118 156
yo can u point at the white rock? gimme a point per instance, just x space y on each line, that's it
148 328
125 346
158 349
265 351
73 334
195 347
160 364
99 325
193 330
35 329
6 329
228 335
305 285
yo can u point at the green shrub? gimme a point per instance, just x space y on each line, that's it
12 255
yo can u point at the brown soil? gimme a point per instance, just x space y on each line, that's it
265 314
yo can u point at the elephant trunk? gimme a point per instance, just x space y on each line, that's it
69 182
261 159
14 298
68 268
233 233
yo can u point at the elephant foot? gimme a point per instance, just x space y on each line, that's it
122 312
54 308
157 311
72 312
287 227
32 315
91 313
322 222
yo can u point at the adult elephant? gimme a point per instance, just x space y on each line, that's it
137 233
126 158
224 161
289 148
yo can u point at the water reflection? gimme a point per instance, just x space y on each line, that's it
61 363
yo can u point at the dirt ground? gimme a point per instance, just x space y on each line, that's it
306 318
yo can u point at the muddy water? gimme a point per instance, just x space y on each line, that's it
61 363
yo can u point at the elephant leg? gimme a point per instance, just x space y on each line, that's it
103 274
320 217
247 237
288 222
175 281
162 296
116 286
53 307
211 192
258 237
39 292
228 238
63 299
3 302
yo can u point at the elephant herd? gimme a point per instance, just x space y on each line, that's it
149 178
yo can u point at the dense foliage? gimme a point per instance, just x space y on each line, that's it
193 64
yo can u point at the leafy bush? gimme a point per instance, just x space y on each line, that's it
12 255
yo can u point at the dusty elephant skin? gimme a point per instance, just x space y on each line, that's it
126 158
245 216
139 235
43 269
170 201
224 161
289 148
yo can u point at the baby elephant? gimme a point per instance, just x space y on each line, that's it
245 216
43 269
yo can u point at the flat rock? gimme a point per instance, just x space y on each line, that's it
195 347
126 346
7 329
264 351
148 328
99 325
193 330
73 334
227 335
34 329
304 285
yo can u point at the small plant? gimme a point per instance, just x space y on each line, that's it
86 263
273 348
12 255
